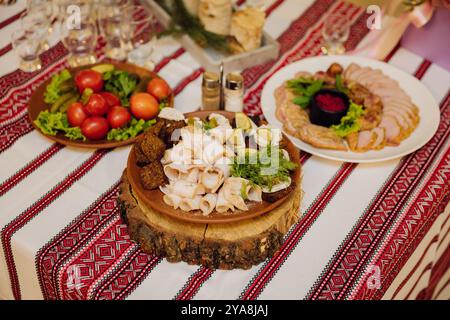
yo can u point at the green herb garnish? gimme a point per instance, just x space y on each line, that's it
349 123
340 85
264 172
304 88
184 23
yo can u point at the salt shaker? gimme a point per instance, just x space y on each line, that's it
234 92
211 89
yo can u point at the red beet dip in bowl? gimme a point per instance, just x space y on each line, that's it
328 107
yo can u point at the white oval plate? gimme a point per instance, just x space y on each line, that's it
421 96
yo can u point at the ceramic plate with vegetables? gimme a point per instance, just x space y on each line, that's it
101 106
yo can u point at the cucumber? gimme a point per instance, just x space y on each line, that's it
67 104
102 68
61 100
67 86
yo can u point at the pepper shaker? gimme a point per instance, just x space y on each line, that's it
211 91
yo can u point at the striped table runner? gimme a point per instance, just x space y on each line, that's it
368 231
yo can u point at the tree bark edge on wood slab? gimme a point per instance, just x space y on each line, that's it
239 244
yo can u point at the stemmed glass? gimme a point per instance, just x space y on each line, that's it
335 32
138 35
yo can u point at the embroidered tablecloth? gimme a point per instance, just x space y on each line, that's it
368 231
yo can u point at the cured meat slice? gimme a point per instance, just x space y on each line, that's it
392 130
380 140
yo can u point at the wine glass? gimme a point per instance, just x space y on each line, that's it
335 32
80 40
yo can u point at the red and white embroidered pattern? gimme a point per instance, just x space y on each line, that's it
383 210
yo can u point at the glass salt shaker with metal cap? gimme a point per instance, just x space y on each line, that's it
234 92
211 90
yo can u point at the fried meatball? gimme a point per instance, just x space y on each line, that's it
141 158
275 196
335 69
152 175
157 127
169 128
152 147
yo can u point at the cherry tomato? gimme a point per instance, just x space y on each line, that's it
118 117
76 114
110 98
96 105
95 128
89 79
144 106
158 88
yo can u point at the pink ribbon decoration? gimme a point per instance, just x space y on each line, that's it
379 42
421 14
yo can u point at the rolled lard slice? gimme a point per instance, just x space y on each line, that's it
224 164
179 154
221 133
212 178
232 191
254 192
186 189
173 171
208 203
172 200
192 139
192 174
222 204
212 152
189 204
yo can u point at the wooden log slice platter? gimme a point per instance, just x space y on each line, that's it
239 244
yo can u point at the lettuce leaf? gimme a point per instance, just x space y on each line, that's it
52 123
132 130
349 122
121 83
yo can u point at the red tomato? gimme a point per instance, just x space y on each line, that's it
95 128
118 117
76 114
96 105
144 106
110 98
158 88
89 79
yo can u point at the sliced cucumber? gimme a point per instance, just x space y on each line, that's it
102 68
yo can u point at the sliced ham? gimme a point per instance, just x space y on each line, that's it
392 130
402 119
365 140
380 140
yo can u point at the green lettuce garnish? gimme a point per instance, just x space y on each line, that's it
349 123
131 130
52 123
122 84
